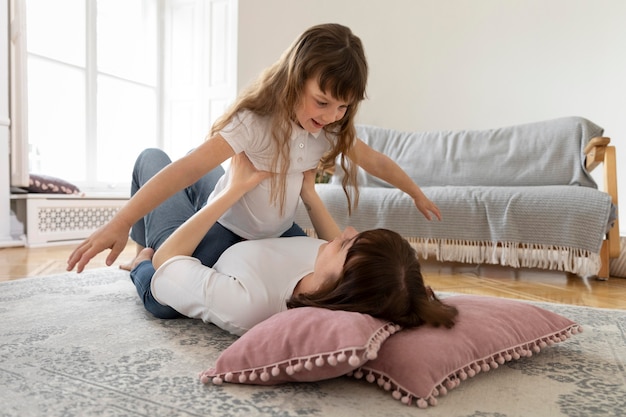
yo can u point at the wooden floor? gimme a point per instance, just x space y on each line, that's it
525 284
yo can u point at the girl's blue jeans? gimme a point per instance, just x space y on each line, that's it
152 230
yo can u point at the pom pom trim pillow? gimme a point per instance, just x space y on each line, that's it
423 363
301 344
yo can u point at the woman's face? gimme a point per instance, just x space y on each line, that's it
332 256
318 109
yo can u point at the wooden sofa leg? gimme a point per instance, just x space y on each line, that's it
603 274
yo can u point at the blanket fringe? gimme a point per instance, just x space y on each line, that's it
517 255
577 261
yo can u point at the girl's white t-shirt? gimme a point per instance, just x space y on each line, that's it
250 282
254 216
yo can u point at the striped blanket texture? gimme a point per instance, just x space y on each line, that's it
516 196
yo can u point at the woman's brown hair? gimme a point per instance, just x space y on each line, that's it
382 277
333 55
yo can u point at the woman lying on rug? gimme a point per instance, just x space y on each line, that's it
374 272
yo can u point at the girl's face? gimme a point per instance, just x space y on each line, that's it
332 256
318 109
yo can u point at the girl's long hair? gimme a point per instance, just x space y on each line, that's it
382 277
335 56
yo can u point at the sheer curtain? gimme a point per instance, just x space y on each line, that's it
103 79
5 210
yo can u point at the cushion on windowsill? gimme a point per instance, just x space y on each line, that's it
50 185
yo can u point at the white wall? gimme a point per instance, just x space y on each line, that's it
466 64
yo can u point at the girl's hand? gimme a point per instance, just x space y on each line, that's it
383 167
426 207
113 235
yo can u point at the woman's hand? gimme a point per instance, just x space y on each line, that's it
184 241
322 221
308 184
244 176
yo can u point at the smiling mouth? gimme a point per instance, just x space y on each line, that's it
316 124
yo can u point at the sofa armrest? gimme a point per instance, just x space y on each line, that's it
594 152
610 185
597 151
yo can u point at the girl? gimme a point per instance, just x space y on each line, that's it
299 115
374 272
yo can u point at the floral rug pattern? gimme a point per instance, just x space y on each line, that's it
82 345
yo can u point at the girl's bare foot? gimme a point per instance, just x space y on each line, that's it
144 254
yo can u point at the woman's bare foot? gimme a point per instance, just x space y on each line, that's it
144 254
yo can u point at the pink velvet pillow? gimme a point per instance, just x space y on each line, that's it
422 363
302 344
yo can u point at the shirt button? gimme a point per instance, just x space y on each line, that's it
299 159
301 145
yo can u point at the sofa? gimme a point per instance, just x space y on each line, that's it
518 196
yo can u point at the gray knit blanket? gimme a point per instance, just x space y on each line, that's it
517 196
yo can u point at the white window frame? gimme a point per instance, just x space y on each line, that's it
211 89
18 93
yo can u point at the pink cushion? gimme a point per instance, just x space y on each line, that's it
417 365
38 183
302 344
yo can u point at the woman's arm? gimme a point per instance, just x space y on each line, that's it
173 178
385 168
244 177
322 221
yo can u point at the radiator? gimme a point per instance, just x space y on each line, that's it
51 219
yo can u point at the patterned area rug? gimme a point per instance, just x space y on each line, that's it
82 345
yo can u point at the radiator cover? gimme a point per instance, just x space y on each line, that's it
59 219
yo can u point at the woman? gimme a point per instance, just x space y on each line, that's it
374 272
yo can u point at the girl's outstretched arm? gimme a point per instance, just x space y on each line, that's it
385 168
322 221
173 178
244 177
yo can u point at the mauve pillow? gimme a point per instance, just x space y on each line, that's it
422 363
301 344
47 184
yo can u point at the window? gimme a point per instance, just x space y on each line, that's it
108 78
